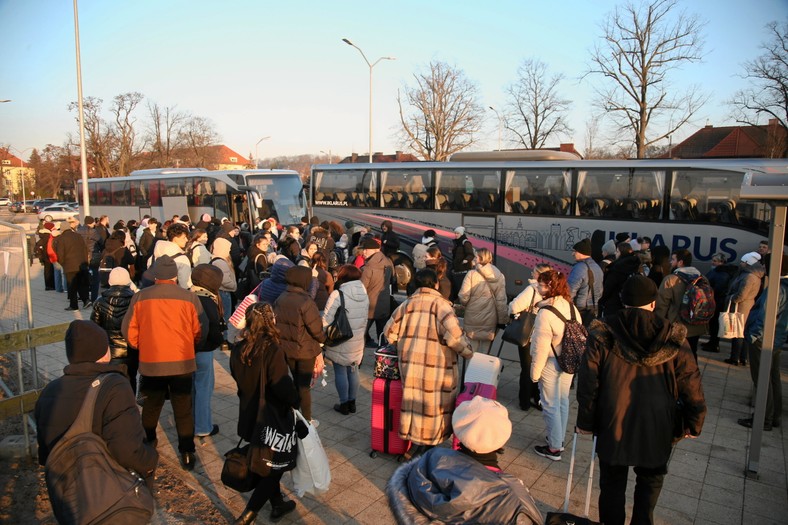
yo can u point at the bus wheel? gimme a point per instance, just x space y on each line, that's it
403 269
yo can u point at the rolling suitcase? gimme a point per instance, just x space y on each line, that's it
469 391
565 518
386 404
484 368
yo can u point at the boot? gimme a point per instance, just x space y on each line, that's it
280 509
351 405
342 408
247 518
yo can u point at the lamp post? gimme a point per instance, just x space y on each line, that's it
257 158
500 126
373 64
330 160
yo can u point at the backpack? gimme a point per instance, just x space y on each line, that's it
108 262
86 484
573 343
697 304
336 258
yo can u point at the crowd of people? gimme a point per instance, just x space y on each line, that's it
162 295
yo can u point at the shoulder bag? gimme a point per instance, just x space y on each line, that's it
519 330
339 330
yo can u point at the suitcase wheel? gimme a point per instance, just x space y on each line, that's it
373 454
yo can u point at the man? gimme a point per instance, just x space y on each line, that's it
463 257
72 254
636 367
671 295
753 336
376 278
94 241
175 246
766 255
166 322
585 281
626 264
115 417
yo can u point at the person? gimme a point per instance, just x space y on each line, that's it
108 312
766 255
72 256
546 341
462 260
389 239
465 485
95 236
206 281
741 294
147 239
174 246
753 337
608 254
528 301
420 249
429 340
320 236
635 368
325 280
41 251
627 263
115 247
115 416
483 293
196 247
346 357
222 259
585 281
437 262
671 295
230 232
301 333
660 264
257 260
166 323
719 278
376 278
273 287
261 373
643 253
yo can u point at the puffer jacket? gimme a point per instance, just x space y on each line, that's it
744 288
273 287
299 323
483 293
670 295
616 275
548 333
108 313
356 305
526 300
447 486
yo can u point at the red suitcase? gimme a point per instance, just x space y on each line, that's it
386 404
469 391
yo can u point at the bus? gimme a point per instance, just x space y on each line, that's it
239 195
532 211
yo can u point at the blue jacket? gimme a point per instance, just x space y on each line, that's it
753 330
579 287
273 287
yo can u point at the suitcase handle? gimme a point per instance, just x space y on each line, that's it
571 472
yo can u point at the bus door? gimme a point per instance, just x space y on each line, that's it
174 206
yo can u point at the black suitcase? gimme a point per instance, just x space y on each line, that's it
565 518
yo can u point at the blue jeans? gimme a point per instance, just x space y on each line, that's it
346 381
60 279
95 282
554 388
202 393
227 305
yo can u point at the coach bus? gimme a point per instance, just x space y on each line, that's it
239 195
530 211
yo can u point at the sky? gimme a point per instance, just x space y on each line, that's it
279 69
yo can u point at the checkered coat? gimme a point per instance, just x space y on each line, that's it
429 338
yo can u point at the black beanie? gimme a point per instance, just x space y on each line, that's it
86 342
583 247
208 276
300 276
622 237
638 290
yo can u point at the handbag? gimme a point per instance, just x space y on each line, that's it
312 472
277 449
731 323
387 362
238 319
519 330
236 473
339 330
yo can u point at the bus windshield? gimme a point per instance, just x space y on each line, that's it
280 196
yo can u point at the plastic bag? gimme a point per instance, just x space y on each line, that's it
731 323
312 473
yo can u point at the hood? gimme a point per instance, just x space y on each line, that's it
757 270
115 295
354 289
688 271
279 269
729 269
221 248
627 265
166 248
639 337
299 276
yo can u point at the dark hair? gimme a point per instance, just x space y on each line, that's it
118 235
644 239
556 284
152 220
119 225
660 258
345 274
624 248
176 229
426 278
261 331
684 256
319 260
290 248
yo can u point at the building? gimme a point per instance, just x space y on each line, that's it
398 156
12 170
227 159
767 141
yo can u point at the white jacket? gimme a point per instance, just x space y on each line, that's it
529 295
548 333
357 306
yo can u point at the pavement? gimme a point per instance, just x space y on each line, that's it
706 482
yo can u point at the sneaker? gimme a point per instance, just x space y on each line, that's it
560 449
730 361
213 432
545 452
88 305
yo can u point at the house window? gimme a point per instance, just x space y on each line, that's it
234 160
6 162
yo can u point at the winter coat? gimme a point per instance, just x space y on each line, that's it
753 330
94 242
116 417
228 274
450 487
216 326
720 279
273 287
163 247
145 244
580 289
617 274
626 387
670 295
389 242
299 323
744 288
483 293
117 249
462 255
108 313
325 244
71 251
325 285
41 248
428 338
357 306
199 254
525 299
376 278
548 333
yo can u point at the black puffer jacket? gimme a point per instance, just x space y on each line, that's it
299 323
625 388
108 312
616 275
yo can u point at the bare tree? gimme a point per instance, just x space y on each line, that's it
535 111
164 133
767 93
100 141
441 114
198 135
122 108
55 168
641 46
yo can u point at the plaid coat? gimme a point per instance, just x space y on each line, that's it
429 338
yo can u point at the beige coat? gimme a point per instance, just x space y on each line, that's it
669 297
483 293
548 333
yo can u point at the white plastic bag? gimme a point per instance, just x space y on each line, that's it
312 472
731 323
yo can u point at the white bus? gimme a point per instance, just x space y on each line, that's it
240 195
533 211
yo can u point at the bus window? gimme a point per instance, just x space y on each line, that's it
154 191
355 188
622 194
467 190
173 187
406 188
542 192
120 193
221 206
103 193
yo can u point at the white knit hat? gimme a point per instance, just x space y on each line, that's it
482 425
751 258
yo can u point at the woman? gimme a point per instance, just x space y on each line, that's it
221 259
741 294
196 248
115 247
305 257
554 383
483 293
719 278
347 356
437 262
325 280
389 239
264 386
527 302
429 340
206 280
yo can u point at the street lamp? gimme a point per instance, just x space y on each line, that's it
348 42
329 155
500 126
256 158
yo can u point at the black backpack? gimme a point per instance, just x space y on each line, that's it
573 343
86 484
108 262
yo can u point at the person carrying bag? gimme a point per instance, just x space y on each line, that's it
731 323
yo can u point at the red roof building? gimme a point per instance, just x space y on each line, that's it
398 156
767 141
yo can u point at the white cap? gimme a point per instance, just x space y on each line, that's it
751 258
